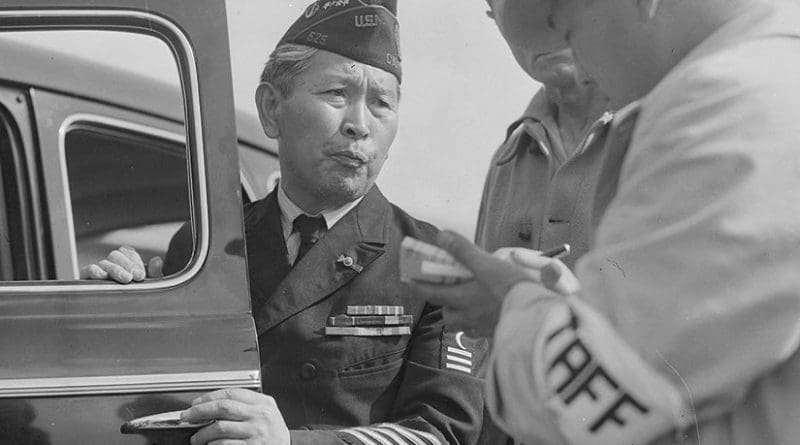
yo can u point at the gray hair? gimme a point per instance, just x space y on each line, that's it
285 64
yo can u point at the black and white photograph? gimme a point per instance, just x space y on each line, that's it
399 222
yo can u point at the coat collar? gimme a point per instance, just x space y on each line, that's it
615 149
362 234
536 124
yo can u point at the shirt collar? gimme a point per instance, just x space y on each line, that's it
290 211
538 110
537 121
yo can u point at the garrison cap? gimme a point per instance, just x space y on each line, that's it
366 31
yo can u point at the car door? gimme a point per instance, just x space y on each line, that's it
79 358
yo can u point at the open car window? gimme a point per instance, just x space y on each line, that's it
126 187
107 152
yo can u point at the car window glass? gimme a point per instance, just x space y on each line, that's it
126 188
110 148
7 232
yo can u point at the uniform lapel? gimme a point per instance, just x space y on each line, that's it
614 151
266 250
361 234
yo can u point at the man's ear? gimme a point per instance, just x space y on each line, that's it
268 100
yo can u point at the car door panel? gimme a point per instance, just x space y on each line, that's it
80 358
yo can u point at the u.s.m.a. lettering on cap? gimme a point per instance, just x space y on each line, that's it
366 31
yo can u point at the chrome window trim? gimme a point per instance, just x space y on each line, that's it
127 384
192 83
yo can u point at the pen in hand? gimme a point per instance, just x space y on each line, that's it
557 252
551 274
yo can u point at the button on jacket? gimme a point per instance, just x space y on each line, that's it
535 196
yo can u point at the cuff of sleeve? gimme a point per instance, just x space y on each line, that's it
511 395
312 437
524 294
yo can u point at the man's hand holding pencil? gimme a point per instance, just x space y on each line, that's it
473 295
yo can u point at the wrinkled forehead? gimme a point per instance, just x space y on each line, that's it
331 67
527 24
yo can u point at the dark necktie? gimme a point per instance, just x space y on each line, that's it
310 230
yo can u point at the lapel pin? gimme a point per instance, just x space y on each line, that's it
348 261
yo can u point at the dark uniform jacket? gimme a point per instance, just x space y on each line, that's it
398 389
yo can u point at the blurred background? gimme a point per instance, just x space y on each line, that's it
461 89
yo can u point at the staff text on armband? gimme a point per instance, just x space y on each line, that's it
579 379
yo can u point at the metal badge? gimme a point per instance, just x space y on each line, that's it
347 261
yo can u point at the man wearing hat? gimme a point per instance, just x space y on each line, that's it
680 325
322 251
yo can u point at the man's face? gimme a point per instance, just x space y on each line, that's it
553 68
526 25
335 129
607 37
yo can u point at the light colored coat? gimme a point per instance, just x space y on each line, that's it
536 195
695 268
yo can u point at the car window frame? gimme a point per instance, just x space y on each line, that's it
183 51
95 122
15 103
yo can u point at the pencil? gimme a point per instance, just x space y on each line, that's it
557 252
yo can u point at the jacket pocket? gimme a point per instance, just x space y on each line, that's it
383 362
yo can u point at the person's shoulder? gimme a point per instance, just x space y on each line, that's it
256 211
753 67
727 93
537 109
408 225
508 148
761 67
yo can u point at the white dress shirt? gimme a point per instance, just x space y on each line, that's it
290 211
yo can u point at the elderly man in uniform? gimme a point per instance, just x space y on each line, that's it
322 252
680 325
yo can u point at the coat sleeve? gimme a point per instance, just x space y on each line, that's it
692 288
181 247
439 399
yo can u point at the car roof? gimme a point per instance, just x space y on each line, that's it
58 71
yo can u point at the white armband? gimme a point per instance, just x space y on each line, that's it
596 387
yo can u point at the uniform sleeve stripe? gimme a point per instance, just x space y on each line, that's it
374 435
430 438
453 350
364 439
459 368
389 436
418 437
459 360
393 434
405 432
